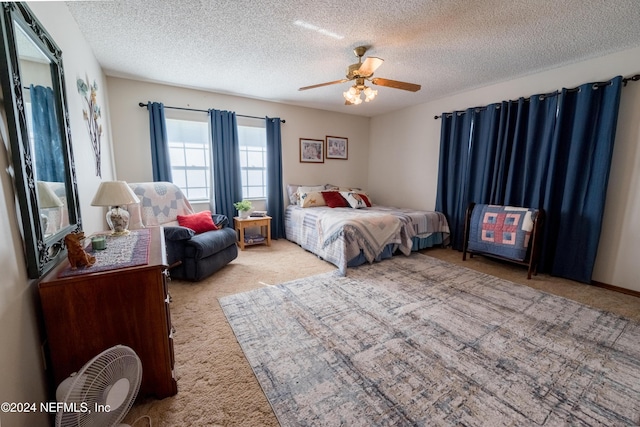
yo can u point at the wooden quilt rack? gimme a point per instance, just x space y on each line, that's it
533 250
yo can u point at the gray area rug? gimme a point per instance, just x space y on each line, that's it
418 341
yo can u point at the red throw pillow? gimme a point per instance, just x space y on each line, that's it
334 199
198 222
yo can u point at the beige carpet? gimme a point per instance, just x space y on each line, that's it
216 386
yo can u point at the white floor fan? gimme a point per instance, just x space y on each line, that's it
102 392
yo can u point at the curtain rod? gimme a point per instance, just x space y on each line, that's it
142 104
624 83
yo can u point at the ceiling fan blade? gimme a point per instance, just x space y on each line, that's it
369 66
324 84
396 84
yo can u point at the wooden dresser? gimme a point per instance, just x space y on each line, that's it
88 313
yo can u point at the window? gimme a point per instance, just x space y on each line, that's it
190 158
253 161
191 163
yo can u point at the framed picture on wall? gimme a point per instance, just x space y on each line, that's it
337 147
311 150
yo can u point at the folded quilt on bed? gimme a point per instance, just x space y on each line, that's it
501 230
376 230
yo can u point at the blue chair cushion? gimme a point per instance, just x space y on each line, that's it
178 233
206 244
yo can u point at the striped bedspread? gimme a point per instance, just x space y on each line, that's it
340 234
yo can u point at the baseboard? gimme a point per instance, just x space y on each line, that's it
616 288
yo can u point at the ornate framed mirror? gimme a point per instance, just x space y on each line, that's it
39 137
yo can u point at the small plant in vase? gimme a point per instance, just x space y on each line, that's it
243 208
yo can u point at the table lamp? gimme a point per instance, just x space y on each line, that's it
115 194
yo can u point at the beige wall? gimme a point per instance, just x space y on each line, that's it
21 365
130 125
415 138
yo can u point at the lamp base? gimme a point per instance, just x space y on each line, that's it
118 220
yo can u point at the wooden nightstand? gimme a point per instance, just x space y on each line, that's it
264 222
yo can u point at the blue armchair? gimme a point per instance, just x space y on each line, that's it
190 256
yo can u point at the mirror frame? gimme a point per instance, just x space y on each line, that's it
41 253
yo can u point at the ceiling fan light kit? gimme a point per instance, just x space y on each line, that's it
360 72
354 95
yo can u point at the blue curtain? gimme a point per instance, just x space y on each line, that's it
275 203
526 150
452 198
551 151
486 125
49 158
160 160
227 178
584 139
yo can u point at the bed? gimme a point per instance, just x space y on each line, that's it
347 237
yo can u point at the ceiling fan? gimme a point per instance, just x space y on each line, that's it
360 72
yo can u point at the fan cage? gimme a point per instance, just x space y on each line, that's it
88 392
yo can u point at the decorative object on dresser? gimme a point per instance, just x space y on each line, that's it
505 232
107 385
191 255
248 239
99 243
115 194
85 314
76 254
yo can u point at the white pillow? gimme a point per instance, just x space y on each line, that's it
292 191
312 199
354 199
307 189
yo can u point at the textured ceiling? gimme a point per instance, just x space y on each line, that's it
255 48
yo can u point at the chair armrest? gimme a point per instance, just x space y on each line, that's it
220 221
178 233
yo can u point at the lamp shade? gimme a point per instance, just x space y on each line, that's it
114 193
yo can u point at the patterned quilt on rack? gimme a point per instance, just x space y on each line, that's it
501 230
339 235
